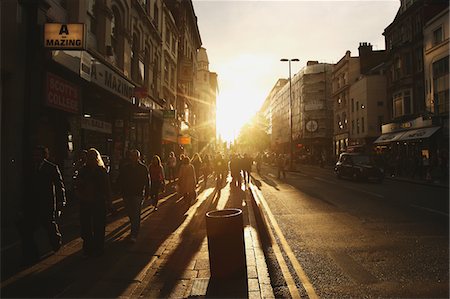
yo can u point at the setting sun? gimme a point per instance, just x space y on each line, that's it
242 92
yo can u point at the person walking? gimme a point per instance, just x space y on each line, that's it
134 184
247 163
281 164
171 167
197 163
44 199
187 180
94 193
157 181
258 161
206 168
235 170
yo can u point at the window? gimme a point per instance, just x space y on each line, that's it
172 77
437 36
156 15
397 68
357 126
408 66
362 124
167 36
166 70
418 57
402 103
353 127
441 86
357 105
353 105
91 21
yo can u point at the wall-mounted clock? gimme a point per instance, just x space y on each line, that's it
312 126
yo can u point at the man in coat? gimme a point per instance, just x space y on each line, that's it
134 183
42 204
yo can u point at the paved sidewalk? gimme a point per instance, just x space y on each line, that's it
169 260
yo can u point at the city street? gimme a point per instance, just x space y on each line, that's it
339 238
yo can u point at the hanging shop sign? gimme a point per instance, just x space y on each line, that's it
169 132
96 125
169 114
184 140
142 115
110 80
59 36
61 94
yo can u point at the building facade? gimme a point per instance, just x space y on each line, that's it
189 42
206 93
345 72
311 113
411 130
108 93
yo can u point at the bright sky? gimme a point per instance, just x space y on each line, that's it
245 41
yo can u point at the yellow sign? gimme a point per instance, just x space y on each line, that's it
64 36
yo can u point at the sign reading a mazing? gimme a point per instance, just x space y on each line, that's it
64 36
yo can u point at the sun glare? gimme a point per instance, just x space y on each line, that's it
234 109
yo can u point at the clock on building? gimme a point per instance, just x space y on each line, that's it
312 126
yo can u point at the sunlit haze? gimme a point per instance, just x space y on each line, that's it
245 41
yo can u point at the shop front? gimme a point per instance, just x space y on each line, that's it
404 146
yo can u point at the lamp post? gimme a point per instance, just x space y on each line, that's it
290 112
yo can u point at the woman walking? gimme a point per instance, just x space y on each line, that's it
94 193
157 182
187 180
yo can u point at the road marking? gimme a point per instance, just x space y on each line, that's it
429 210
287 249
279 256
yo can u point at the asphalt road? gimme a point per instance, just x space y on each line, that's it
342 239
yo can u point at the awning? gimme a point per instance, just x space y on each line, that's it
419 133
389 137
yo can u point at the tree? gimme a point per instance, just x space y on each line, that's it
253 136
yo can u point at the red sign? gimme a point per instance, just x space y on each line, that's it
62 94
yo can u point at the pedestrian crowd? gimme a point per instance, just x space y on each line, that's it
137 182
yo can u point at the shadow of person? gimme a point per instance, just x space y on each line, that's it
270 182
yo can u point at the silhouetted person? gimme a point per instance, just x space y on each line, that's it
94 193
41 205
206 168
281 164
134 184
235 170
187 180
197 163
171 166
247 163
157 182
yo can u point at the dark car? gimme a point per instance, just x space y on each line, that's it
358 166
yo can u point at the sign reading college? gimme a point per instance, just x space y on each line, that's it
59 36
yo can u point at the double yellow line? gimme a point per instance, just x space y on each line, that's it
286 248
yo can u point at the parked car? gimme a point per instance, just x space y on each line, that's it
358 166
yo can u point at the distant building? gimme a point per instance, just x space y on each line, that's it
206 87
311 112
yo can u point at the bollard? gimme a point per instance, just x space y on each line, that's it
225 231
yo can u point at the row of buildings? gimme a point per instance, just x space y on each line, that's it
136 77
392 102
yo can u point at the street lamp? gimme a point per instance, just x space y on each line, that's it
290 112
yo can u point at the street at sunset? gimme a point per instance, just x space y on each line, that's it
224 149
